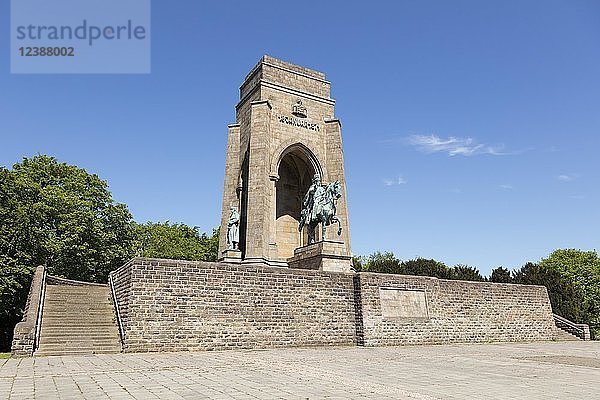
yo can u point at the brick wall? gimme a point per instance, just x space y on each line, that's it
456 311
170 305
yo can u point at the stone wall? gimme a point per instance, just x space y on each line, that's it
170 305
23 343
399 309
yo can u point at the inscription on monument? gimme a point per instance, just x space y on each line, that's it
284 119
402 303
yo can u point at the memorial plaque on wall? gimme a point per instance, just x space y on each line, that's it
402 303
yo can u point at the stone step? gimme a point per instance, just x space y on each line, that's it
79 342
86 301
103 331
79 299
74 352
81 287
65 290
78 320
100 338
80 338
75 308
76 312
74 324
57 329
76 292
71 334
566 336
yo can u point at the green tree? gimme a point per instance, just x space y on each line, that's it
583 269
466 273
176 241
357 261
426 267
385 263
62 217
566 298
501 275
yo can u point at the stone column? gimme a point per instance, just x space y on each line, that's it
258 211
232 171
273 252
335 172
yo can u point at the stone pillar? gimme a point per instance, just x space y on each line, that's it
258 210
335 171
273 253
232 171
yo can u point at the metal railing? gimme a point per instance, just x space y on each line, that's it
117 312
38 321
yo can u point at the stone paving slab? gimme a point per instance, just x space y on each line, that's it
481 371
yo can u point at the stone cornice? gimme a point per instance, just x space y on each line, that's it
276 86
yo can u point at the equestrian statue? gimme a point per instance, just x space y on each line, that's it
318 207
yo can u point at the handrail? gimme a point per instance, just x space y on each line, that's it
582 331
118 313
38 322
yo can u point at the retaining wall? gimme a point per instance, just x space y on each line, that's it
399 309
168 305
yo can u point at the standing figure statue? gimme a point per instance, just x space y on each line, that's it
318 207
233 230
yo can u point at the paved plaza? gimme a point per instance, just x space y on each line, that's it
565 370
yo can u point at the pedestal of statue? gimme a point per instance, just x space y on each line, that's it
326 255
231 256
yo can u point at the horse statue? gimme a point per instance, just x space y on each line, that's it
319 208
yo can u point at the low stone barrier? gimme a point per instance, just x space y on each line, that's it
23 343
168 305
399 309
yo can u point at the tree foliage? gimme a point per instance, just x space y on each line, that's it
426 267
501 275
566 298
62 217
582 268
466 273
380 262
388 263
176 241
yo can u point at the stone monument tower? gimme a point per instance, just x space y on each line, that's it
286 136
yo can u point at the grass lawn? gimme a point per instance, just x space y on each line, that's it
4 355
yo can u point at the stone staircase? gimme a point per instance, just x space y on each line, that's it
563 336
77 318
568 330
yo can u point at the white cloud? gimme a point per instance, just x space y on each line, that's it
398 181
567 177
453 146
506 187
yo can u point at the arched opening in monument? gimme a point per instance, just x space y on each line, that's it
296 169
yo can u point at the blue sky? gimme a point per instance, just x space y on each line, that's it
470 128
